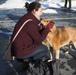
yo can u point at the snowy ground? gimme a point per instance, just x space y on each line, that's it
47 4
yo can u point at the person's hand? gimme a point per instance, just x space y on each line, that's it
50 25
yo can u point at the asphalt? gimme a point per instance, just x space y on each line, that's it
8 19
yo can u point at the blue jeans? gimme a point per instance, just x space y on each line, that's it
41 53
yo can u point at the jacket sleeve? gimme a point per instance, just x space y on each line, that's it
33 31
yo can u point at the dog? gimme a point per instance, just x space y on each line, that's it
59 37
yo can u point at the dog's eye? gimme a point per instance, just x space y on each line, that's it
47 21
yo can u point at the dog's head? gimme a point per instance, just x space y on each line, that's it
45 22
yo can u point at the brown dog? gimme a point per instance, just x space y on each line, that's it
59 37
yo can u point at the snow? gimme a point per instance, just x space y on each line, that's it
15 4
9 4
47 5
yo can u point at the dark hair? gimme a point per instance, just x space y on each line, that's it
34 5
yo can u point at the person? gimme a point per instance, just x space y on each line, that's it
28 43
66 2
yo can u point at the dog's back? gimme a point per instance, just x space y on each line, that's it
72 33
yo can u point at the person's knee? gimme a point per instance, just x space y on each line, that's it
46 49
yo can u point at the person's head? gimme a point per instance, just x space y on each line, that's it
35 8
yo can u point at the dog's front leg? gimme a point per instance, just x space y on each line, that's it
57 54
51 52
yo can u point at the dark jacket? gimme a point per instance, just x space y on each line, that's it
29 38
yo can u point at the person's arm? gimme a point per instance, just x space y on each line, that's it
33 31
